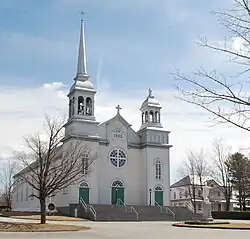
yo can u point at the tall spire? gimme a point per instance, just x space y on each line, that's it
82 63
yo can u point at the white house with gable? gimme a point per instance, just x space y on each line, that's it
131 166
181 193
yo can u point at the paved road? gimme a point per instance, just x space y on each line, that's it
137 230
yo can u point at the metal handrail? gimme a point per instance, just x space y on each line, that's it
158 205
137 214
123 204
190 207
86 206
92 210
83 203
173 214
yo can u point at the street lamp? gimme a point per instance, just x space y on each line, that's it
150 191
116 194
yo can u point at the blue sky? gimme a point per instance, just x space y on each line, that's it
131 46
135 41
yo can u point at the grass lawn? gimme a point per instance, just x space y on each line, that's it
35 227
49 218
216 226
36 216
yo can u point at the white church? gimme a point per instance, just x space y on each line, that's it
132 167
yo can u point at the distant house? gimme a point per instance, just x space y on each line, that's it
181 193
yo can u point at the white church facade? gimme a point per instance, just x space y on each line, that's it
132 167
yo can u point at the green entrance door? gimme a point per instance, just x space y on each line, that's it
159 195
117 192
84 192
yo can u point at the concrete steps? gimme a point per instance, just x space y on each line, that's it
113 213
109 212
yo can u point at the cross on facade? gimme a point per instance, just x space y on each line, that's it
118 107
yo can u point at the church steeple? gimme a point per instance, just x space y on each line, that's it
82 62
82 92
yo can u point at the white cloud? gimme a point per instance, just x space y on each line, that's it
53 85
22 113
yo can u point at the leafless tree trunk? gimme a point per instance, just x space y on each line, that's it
224 97
196 167
6 177
51 166
221 172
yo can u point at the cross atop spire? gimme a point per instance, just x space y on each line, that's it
118 107
82 13
82 63
149 92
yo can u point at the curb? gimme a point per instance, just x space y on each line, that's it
210 227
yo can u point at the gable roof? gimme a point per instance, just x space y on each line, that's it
187 180
183 182
121 119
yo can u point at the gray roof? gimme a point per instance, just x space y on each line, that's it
183 182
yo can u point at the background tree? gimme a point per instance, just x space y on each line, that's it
50 166
197 168
225 98
220 172
238 166
6 178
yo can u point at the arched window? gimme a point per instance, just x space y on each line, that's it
158 169
157 117
158 188
80 105
151 116
146 117
84 185
117 184
117 157
142 118
70 108
88 106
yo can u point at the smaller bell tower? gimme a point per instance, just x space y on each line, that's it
150 112
81 120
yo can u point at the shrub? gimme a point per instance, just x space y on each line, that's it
231 215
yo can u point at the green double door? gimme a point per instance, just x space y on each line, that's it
84 194
116 194
159 197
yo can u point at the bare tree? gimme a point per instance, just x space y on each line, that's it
6 177
196 168
221 172
221 96
51 166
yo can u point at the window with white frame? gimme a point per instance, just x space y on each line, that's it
65 190
26 191
32 190
85 164
174 195
158 169
180 194
17 191
21 190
